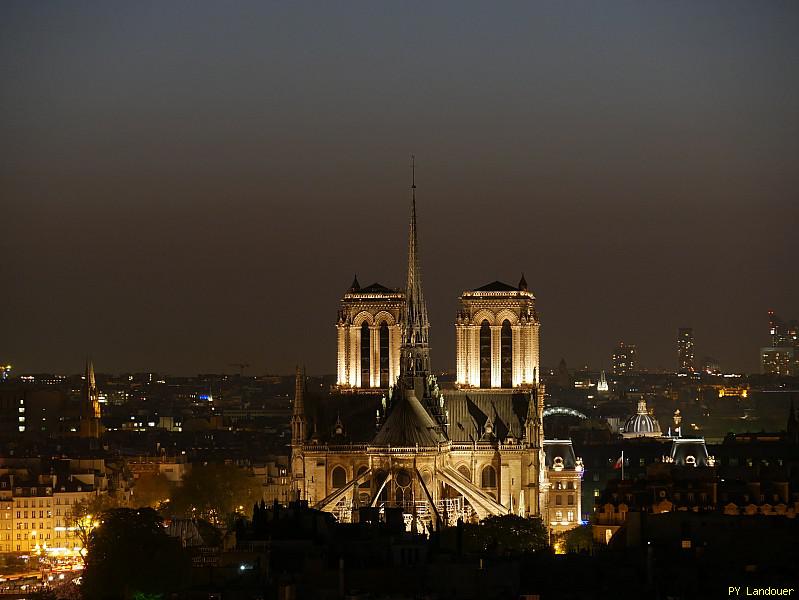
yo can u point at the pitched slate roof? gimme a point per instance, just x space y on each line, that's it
376 288
469 411
408 424
356 411
497 286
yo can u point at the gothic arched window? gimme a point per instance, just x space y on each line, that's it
384 355
485 354
365 355
338 478
489 477
506 354
464 470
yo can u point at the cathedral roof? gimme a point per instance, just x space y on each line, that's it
355 412
408 424
376 288
497 286
469 412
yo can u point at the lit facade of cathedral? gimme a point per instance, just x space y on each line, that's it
368 336
496 337
433 455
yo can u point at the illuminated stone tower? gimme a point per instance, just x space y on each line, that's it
368 336
90 406
497 331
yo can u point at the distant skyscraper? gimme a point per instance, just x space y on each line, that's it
685 350
783 334
625 359
782 357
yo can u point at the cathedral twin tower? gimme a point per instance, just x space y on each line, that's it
496 331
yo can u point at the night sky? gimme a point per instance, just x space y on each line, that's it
185 185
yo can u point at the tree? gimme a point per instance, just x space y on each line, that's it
506 535
579 539
131 556
214 492
151 490
84 515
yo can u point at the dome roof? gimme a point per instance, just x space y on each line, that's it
641 423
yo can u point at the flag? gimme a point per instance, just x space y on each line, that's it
619 462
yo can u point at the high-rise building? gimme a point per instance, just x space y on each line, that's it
782 356
779 361
685 350
783 334
625 359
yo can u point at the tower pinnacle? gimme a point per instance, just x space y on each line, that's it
415 351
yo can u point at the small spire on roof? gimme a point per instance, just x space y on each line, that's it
523 283
355 285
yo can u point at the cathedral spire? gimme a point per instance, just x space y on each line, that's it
415 352
90 406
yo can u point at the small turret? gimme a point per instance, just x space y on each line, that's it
298 422
523 284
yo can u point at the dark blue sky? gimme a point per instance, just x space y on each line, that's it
191 184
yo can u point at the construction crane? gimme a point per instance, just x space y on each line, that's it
241 367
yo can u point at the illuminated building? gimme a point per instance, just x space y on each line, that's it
782 356
625 359
434 457
782 361
685 350
35 518
496 333
90 425
782 334
564 475
368 336
602 387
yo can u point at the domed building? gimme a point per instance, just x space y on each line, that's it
642 423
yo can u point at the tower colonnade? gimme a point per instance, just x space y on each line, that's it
368 337
496 337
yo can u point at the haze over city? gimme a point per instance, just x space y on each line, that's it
186 189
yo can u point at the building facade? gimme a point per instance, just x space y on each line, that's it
563 509
497 337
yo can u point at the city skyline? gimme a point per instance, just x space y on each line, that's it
191 196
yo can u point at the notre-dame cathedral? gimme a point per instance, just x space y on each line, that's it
389 437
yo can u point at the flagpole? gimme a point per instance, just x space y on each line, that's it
622 465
